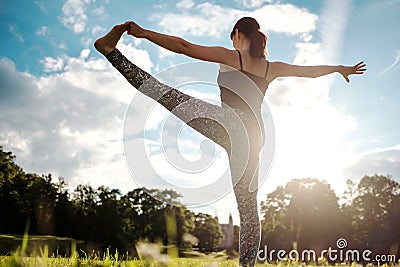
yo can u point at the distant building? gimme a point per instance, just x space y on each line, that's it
227 229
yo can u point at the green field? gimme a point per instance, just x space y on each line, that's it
15 260
55 251
59 261
18 250
111 261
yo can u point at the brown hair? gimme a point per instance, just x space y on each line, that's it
251 29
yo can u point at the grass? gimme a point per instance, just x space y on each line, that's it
17 260
37 253
21 261
148 256
57 245
91 262
42 260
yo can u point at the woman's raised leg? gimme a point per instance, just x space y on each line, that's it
210 120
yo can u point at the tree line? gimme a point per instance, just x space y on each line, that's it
304 214
102 217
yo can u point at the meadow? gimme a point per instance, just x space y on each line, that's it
53 251
37 251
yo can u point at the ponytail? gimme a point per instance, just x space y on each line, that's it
251 29
258 42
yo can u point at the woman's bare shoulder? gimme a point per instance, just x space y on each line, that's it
225 68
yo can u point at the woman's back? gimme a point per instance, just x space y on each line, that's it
244 88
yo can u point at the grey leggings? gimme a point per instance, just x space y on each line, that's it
223 134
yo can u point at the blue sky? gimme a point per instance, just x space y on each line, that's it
63 106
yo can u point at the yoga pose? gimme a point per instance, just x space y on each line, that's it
219 123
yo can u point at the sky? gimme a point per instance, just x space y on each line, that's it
66 111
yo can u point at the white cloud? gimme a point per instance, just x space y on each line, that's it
20 145
160 6
253 3
41 5
96 30
274 18
172 174
100 11
384 161
381 150
203 20
84 53
43 31
213 20
332 28
14 31
62 46
138 56
392 66
165 53
87 41
74 14
185 4
52 64
69 122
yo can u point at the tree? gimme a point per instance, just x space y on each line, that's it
25 198
374 213
300 213
274 228
109 219
8 168
42 195
208 231
10 200
148 218
64 211
99 215
84 203
140 211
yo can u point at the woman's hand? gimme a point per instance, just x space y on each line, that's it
359 68
135 30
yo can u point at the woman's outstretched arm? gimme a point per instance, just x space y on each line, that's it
280 69
178 45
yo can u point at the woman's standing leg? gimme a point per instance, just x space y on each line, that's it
245 186
249 236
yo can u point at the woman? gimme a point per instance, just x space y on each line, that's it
247 58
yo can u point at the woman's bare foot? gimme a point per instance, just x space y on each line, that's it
108 42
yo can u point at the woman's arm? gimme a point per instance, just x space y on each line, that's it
280 69
178 45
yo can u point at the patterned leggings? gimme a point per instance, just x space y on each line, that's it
223 134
